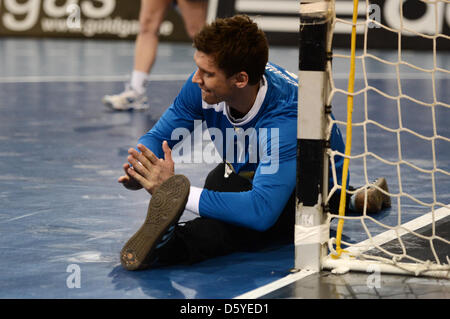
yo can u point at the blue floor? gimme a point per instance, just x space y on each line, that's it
61 152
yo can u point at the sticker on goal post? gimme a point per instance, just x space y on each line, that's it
305 235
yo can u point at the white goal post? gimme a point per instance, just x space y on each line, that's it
315 248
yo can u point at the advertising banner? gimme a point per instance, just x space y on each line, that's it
118 19
422 21
81 19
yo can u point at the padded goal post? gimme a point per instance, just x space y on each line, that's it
312 174
315 249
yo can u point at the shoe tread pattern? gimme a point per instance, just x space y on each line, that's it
165 208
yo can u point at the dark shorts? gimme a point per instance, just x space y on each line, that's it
203 238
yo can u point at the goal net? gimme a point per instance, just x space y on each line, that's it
393 109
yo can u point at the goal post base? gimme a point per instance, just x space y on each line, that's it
370 266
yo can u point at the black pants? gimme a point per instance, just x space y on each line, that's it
203 238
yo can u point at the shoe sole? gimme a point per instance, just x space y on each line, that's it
165 208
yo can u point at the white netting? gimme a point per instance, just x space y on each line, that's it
400 131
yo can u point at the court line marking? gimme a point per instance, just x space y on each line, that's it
406 228
184 77
26 215
89 78
264 290
390 76
380 239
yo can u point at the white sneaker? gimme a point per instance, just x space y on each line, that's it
128 100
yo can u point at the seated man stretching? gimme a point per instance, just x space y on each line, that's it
248 201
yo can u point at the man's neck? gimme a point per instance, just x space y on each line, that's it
243 101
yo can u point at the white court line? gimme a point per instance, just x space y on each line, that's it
24 216
88 78
363 265
389 76
406 228
264 290
183 77
380 239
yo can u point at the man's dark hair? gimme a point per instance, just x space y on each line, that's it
236 44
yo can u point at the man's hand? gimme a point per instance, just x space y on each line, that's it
148 170
128 181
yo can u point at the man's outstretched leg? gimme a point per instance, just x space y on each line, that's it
165 209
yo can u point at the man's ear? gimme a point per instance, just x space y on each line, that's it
241 79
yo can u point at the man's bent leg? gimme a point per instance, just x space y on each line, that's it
204 238
165 208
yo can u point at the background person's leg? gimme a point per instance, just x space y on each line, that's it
134 97
194 15
151 16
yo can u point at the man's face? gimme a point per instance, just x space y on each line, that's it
215 86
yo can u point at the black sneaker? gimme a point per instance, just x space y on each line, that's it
165 209
376 199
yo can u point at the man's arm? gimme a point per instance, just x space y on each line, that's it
258 208
184 110
272 185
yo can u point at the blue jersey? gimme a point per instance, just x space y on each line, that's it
264 141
